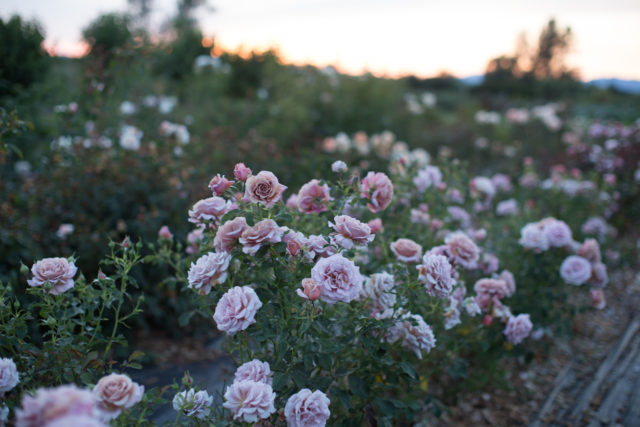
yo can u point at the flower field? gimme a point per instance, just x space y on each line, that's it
368 251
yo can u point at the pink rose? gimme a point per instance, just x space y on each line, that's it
194 237
265 231
509 281
318 246
250 401
255 371
313 197
237 309
229 233
558 232
219 184
435 273
377 187
310 290
210 209
9 376
533 237
599 276
375 225
58 272
51 404
407 250
307 409
209 270
462 250
590 250
575 270
294 241
241 172
518 328
263 188
292 201
350 232
490 291
416 335
116 393
378 289
427 177
165 233
339 278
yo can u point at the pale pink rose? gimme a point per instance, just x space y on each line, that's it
558 232
471 306
590 250
375 225
518 328
575 270
339 166
502 182
416 335
58 272
462 250
219 184
228 234
210 209
292 201
459 215
254 370
377 187
237 309
165 233
51 404
598 299
250 401
294 240
193 404
208 271
599 276
318 246
241 172
532 236
490 292
489 263
451 314
194 237
427 177
263 232
507 207
263 188
307 409
482 185
310 290
350 232
339 279
9 376
509 281
379 290
435 273
116 393
406 250
313 197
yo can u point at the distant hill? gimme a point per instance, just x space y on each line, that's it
626 86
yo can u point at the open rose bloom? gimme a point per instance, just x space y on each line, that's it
237 309
313 197
49 405
250 401
377 187
263 188
306 408
58 272
116 393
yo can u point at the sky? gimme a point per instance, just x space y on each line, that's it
387 37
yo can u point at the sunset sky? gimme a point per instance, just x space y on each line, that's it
384 36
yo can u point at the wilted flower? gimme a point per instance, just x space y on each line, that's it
379 290
9 376
241 172
377 187
210 209
307 409
58 272
575 270
339 278
193 404
598 299
237 309
250 401
263 188
254 370
599 276
228 234
350 232
219 184
116 393
339 166
313 197
518 328
209 270
265 231
435 273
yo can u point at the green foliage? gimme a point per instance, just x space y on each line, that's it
108 34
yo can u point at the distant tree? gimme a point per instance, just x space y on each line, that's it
107 34
141 11
23 60
553 45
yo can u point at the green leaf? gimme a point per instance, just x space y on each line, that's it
358 386
408 369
